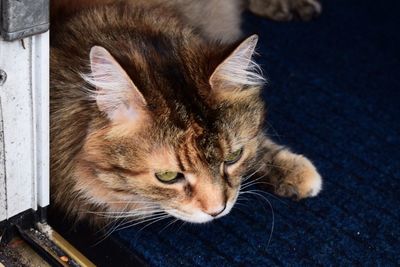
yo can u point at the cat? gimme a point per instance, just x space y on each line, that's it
151 115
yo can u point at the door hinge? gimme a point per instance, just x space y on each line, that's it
22 18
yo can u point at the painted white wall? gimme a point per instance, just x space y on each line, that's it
24 114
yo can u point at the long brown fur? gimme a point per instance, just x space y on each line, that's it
189 117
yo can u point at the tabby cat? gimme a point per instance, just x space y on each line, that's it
154 111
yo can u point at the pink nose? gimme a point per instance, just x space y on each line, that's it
215 213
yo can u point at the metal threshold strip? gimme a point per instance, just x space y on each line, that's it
39 245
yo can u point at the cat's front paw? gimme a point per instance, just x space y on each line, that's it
299 178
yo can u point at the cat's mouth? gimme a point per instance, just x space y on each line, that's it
200 216
197 217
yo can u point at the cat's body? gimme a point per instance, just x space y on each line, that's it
215 19
138 96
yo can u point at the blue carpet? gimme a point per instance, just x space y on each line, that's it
334 95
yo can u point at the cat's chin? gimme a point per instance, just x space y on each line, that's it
199 216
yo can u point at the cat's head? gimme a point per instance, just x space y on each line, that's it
178 140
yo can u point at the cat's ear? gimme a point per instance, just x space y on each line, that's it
238 69
116 95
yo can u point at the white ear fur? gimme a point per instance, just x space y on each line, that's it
239 68
116 94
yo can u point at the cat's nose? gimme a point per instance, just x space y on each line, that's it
218 212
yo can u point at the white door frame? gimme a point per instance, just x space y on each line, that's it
24 125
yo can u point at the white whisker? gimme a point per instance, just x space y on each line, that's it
251 175
272 212
169 224
160 219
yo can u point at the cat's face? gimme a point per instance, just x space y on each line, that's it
192 174
186 158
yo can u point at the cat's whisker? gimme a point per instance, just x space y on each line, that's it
238 204
146 214
135 213
273 129
127 207
144 227
169 224
252 181
114 226
151 220
244 206
255 183
251 192
132 202
263 192
127 204
247 177
115 223
123 211
137 221
182 224
243 202
120 225
241 197
107 225
250 175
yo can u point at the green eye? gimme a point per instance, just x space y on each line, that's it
168 177
233 157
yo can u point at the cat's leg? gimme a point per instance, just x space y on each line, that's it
288 174
285 10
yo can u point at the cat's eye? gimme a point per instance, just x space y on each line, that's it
168 176
233 157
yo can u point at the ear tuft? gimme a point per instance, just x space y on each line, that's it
115 94
239 69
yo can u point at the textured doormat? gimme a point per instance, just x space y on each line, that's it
334 95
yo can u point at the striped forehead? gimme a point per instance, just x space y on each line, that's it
196 152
